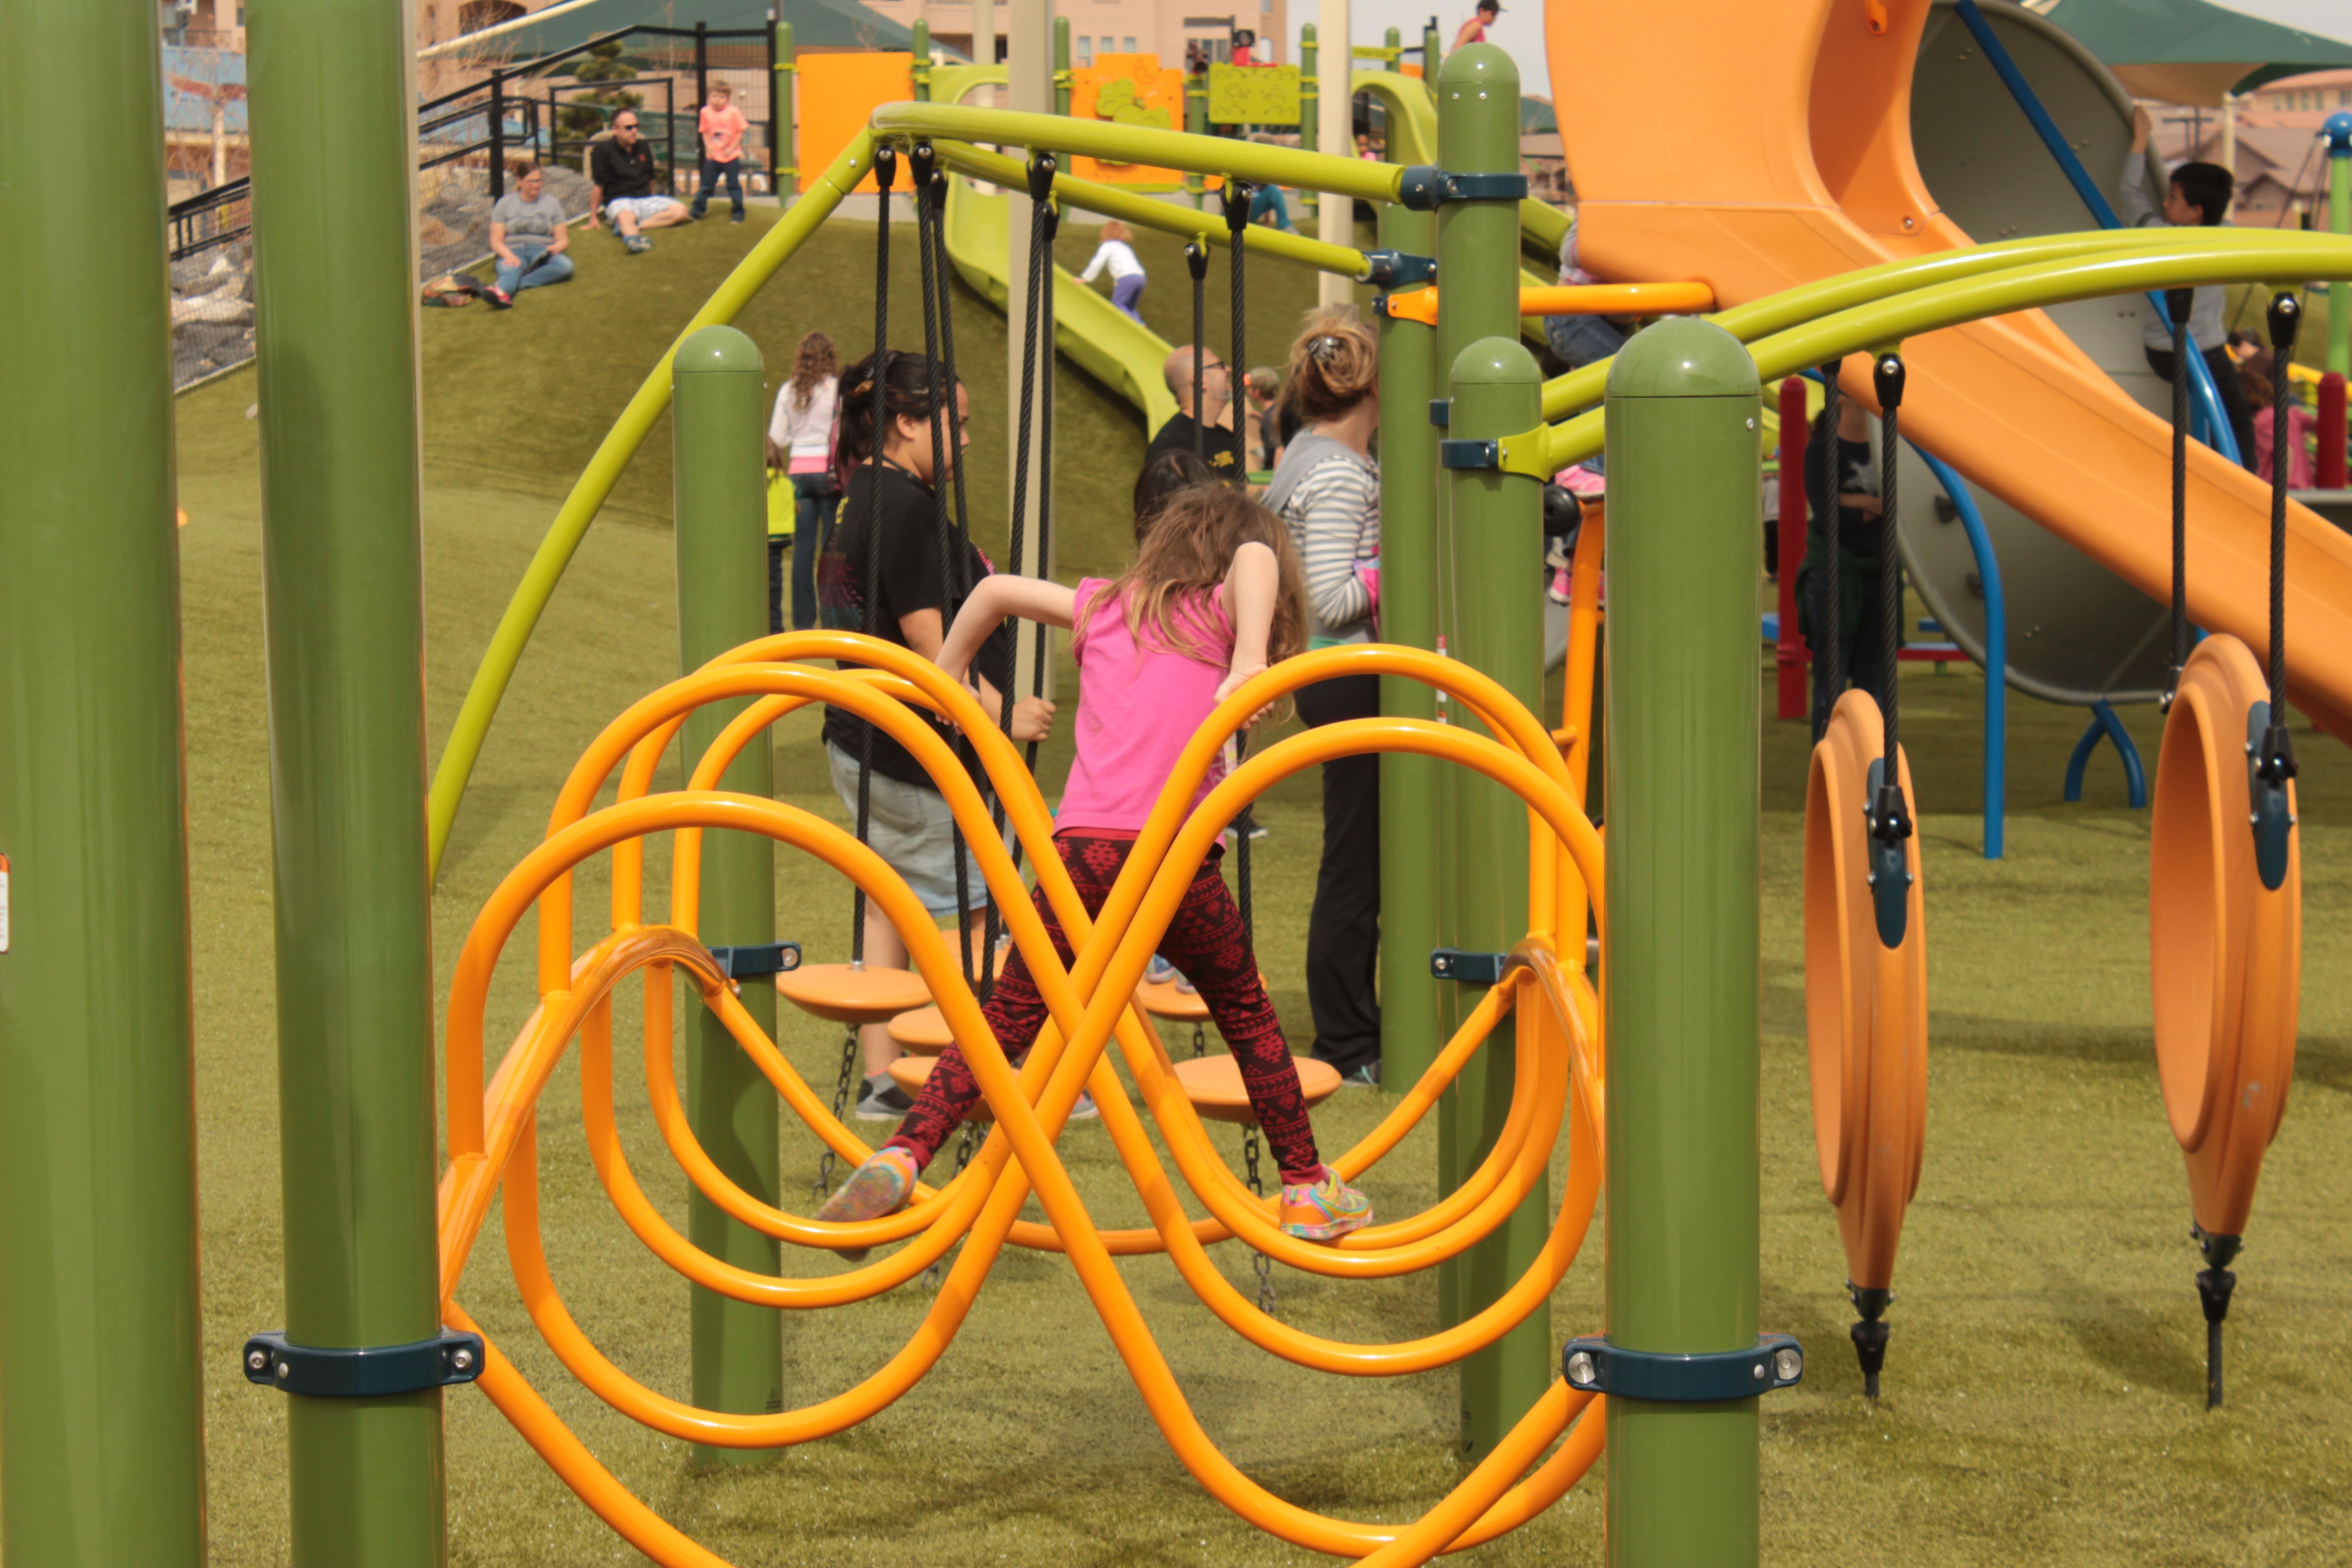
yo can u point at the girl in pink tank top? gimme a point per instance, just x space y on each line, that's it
1213 596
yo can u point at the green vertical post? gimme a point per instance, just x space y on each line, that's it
2338 131
1062 84
333 122
921 29
1310 94
101 1423
720 486
1493 531
1431 57
788 134
1684 408
1196 120
1393 41
1411 1017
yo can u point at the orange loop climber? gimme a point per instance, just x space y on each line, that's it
493 1133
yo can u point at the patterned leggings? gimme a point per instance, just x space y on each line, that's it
1206 941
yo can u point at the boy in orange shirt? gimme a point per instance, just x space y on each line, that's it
721 126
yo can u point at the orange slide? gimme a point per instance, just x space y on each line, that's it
1770 147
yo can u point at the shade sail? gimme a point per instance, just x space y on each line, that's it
2188 51
816 24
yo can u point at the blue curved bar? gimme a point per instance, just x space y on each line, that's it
2217 433
1996 647
2104 722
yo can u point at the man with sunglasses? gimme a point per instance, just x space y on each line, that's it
621 169
1221 443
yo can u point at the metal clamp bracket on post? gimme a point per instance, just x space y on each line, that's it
1469 968
746 963
1408 305
1714 1377
275 1362
1520 454
1425 188
1396 270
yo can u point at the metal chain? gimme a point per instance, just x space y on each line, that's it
1200 1040
966 1142
1262 1263
840 1108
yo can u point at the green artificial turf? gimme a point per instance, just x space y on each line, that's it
2043 1391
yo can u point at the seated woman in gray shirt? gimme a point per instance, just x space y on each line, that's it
527 235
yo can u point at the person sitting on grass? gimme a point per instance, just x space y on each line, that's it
621 176
2196 195
528 236
721 129
1211 596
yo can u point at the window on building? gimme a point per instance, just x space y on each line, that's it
1126 47
476 14
1086 50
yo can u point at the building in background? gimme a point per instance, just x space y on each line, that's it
1164 27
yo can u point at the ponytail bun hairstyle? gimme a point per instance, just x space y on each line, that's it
1334 365
911 386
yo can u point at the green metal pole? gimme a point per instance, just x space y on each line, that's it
1684 408
1491 538
921 29
101 1422
1430 59
1412 1006
788 136
1310 94
1062 84
720 488
2338 131
333 124
1196 120
1394 42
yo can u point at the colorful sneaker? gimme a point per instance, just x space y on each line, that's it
1583 480
1562 587
1323 1210
881 1100
1160 972
877 1187
500 298
636 244
1365 1077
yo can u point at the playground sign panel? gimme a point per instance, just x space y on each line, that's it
1128 90
1254 95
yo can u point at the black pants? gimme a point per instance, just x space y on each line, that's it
1862 653
2226 383
1343 933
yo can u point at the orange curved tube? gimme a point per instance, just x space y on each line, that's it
493 1135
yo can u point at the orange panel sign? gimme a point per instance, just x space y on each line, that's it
838 92
1127 90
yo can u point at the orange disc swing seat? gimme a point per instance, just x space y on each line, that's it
923 1032
1214 1084
852 996
1865 1009
2225 954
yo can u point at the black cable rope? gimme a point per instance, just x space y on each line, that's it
2285 316
1832 669
1044 328
1196 260
1886 375
1237 206
1041 164
886 169
2178 300
922 173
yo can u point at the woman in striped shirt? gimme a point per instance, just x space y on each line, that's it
1328 491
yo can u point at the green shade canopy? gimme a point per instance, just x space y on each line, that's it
2187 51
816 24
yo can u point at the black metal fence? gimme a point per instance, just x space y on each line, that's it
541 108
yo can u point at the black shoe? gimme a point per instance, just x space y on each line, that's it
737 218
881 1100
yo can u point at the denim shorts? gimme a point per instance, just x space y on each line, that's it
642 207
911 828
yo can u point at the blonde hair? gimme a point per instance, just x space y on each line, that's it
721 90
1182 558
1114 229
1334 365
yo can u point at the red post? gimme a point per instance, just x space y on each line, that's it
2330 473
1790 649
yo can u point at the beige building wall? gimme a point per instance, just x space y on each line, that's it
1105 27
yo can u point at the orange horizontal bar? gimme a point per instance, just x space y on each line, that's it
1575 300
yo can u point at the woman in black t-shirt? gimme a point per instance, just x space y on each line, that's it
1860 656
908 600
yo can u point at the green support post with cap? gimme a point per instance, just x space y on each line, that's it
1311 95
1062 83
921 75
333 124
102 1424
1432 59
1492 535
2338 132
788 138
720 488
1413 1018
1684 406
